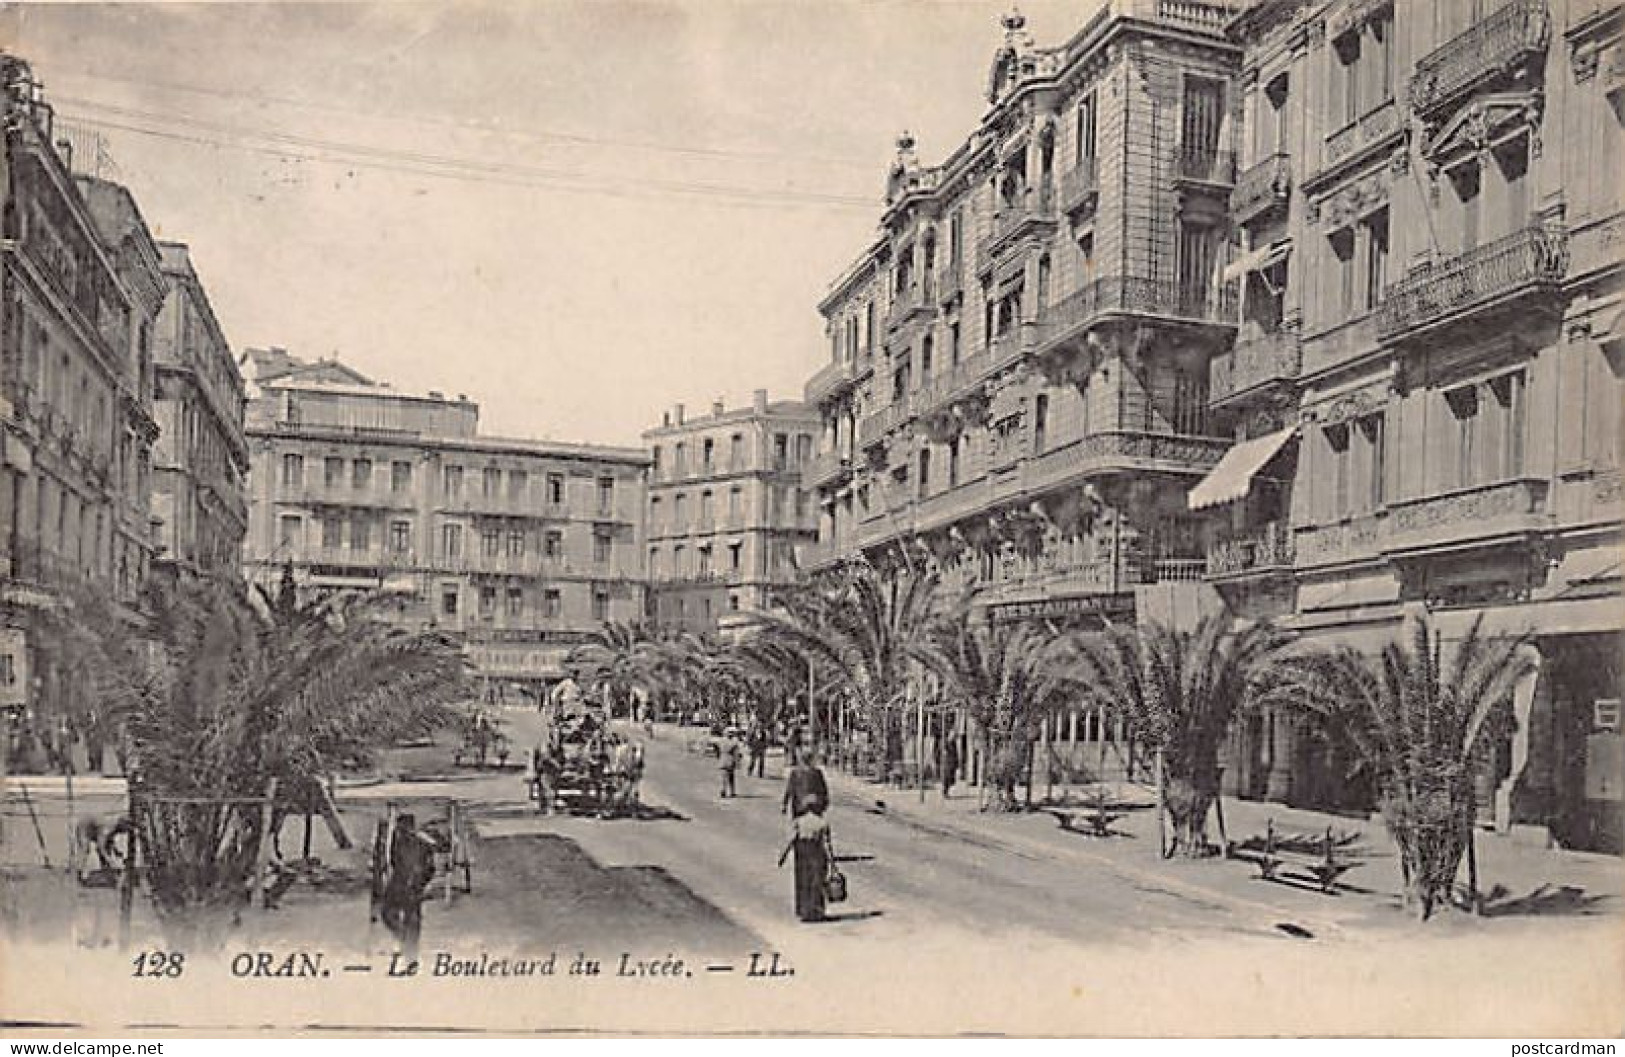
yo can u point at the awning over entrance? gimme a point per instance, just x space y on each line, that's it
1257 260
1233 477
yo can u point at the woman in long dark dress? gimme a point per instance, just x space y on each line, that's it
810 845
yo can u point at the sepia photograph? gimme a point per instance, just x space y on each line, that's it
1078 518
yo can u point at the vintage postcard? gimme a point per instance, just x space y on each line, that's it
819 517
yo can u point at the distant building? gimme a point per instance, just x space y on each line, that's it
727 515
199 488
523 547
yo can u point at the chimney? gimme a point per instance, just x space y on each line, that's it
716 408
665 419
435 394
677 414
758 401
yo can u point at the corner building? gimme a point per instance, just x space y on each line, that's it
1017 387
523 548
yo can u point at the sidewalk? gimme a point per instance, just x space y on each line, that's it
1524 880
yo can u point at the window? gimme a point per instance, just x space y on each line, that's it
361 473
804 448
490 543
1374 460
1466 181
550 603
448 600
488 601
602 546
1040 421
491 482
360 534
1463 404
451 541
400 536
925 472
702 556
517 482
679 462
733 602
781 451
1084 154
1198 252
736 452
333 471
332 533
1346 82
400 476
452 479
679 561
655 511
705 509
735 502
600 604
735 556
553 543
606 495
925 360
1376 260
953 344
555 489
1381 58
1341 242
654 563
516 601
1337 442
516 543
707 455
289 530
1200 116
953 462
293 471
679 512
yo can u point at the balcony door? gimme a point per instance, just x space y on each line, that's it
1201 117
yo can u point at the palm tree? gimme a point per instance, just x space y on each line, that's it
1178 691
216 698
1010 678
867 630
618 657
1422 728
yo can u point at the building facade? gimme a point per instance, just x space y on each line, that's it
199 487
80 288
1300 311
1016 393
1427 374
524 548
727 515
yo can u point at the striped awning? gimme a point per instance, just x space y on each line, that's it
1232 478
1257 260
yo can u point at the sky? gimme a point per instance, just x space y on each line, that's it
578 214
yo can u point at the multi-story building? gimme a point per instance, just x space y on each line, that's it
523 547
1427 376
1305 311
1017 386
80 286
727 516
199 491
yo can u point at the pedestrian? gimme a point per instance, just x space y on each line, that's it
813 850
728 762
756 742
950 766
805 786
411 868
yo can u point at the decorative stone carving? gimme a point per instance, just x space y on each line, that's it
1356 200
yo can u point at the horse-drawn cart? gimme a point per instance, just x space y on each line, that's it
584 768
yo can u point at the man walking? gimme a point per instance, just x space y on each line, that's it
728 762
950 766
756 742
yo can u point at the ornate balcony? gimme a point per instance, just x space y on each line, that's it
827 469
873 428
1080 188
1263 551
1468 517
1121 295
1123 451
1373 127
1256 360
1262 189
950 282
831 380
1204 165
1034 214
1531 261
916 302
1349 540
1499 44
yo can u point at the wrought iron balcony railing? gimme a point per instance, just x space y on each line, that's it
1534 258
1036 210
1264 548
1495 45
1080 186
1255 360
1374 126
830 380
1204 164
1128 295
1262 189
